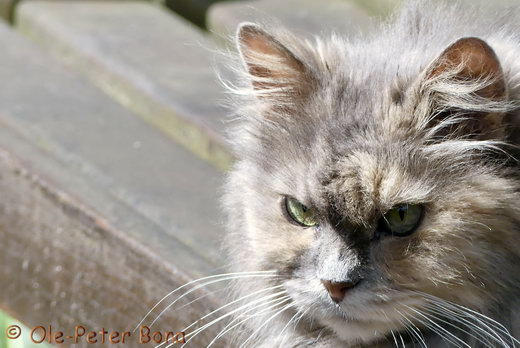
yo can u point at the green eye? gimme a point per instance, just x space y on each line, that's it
403 219
300 213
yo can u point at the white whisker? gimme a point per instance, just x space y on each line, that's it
203 285
439 327
414 330
226 315
238 300
233 323
265 323
457 309
395 339
192 282
200 298
482 334
199 330
299 314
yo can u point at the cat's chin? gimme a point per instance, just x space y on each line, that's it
353 332
356 320
355 324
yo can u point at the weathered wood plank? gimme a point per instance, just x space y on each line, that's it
303 17
101 214
154 63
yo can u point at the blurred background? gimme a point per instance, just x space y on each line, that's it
113 151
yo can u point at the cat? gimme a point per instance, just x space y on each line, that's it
375 199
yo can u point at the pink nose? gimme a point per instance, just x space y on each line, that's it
337 290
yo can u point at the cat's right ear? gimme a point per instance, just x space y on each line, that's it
272 68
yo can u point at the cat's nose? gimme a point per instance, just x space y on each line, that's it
337 290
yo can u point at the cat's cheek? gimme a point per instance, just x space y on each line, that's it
394 260
307 291
278 244
422 262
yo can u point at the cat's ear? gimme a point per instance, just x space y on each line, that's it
472 60
272 67
467 79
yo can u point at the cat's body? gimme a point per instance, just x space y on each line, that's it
416 117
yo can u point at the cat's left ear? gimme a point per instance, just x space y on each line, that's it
467 78
272 68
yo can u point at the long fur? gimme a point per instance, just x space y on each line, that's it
355 134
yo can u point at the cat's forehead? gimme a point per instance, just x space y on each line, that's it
366 181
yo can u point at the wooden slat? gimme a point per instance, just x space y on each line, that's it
303 17
101 214
149 60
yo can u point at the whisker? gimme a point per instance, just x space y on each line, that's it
415 331
199 330
469 310
463 330
391 330
402 341
192 282
456 308
439 327
299 320
265 323
298 314
482 334
440 333
410 334
230 325
200 298
203 285
395 340
226 315
238 300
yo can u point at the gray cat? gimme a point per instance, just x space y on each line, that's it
375 199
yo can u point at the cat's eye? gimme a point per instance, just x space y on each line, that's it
300 213
403 219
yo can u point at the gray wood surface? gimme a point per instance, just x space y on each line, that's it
304 18
101 214
152 62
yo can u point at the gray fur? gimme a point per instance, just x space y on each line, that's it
352 136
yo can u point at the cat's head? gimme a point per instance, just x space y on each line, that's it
376 188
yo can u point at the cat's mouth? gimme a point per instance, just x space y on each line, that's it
363 316
408 320
368 324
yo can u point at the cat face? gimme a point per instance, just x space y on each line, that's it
376 197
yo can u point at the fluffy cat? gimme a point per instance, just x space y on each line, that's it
376 190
